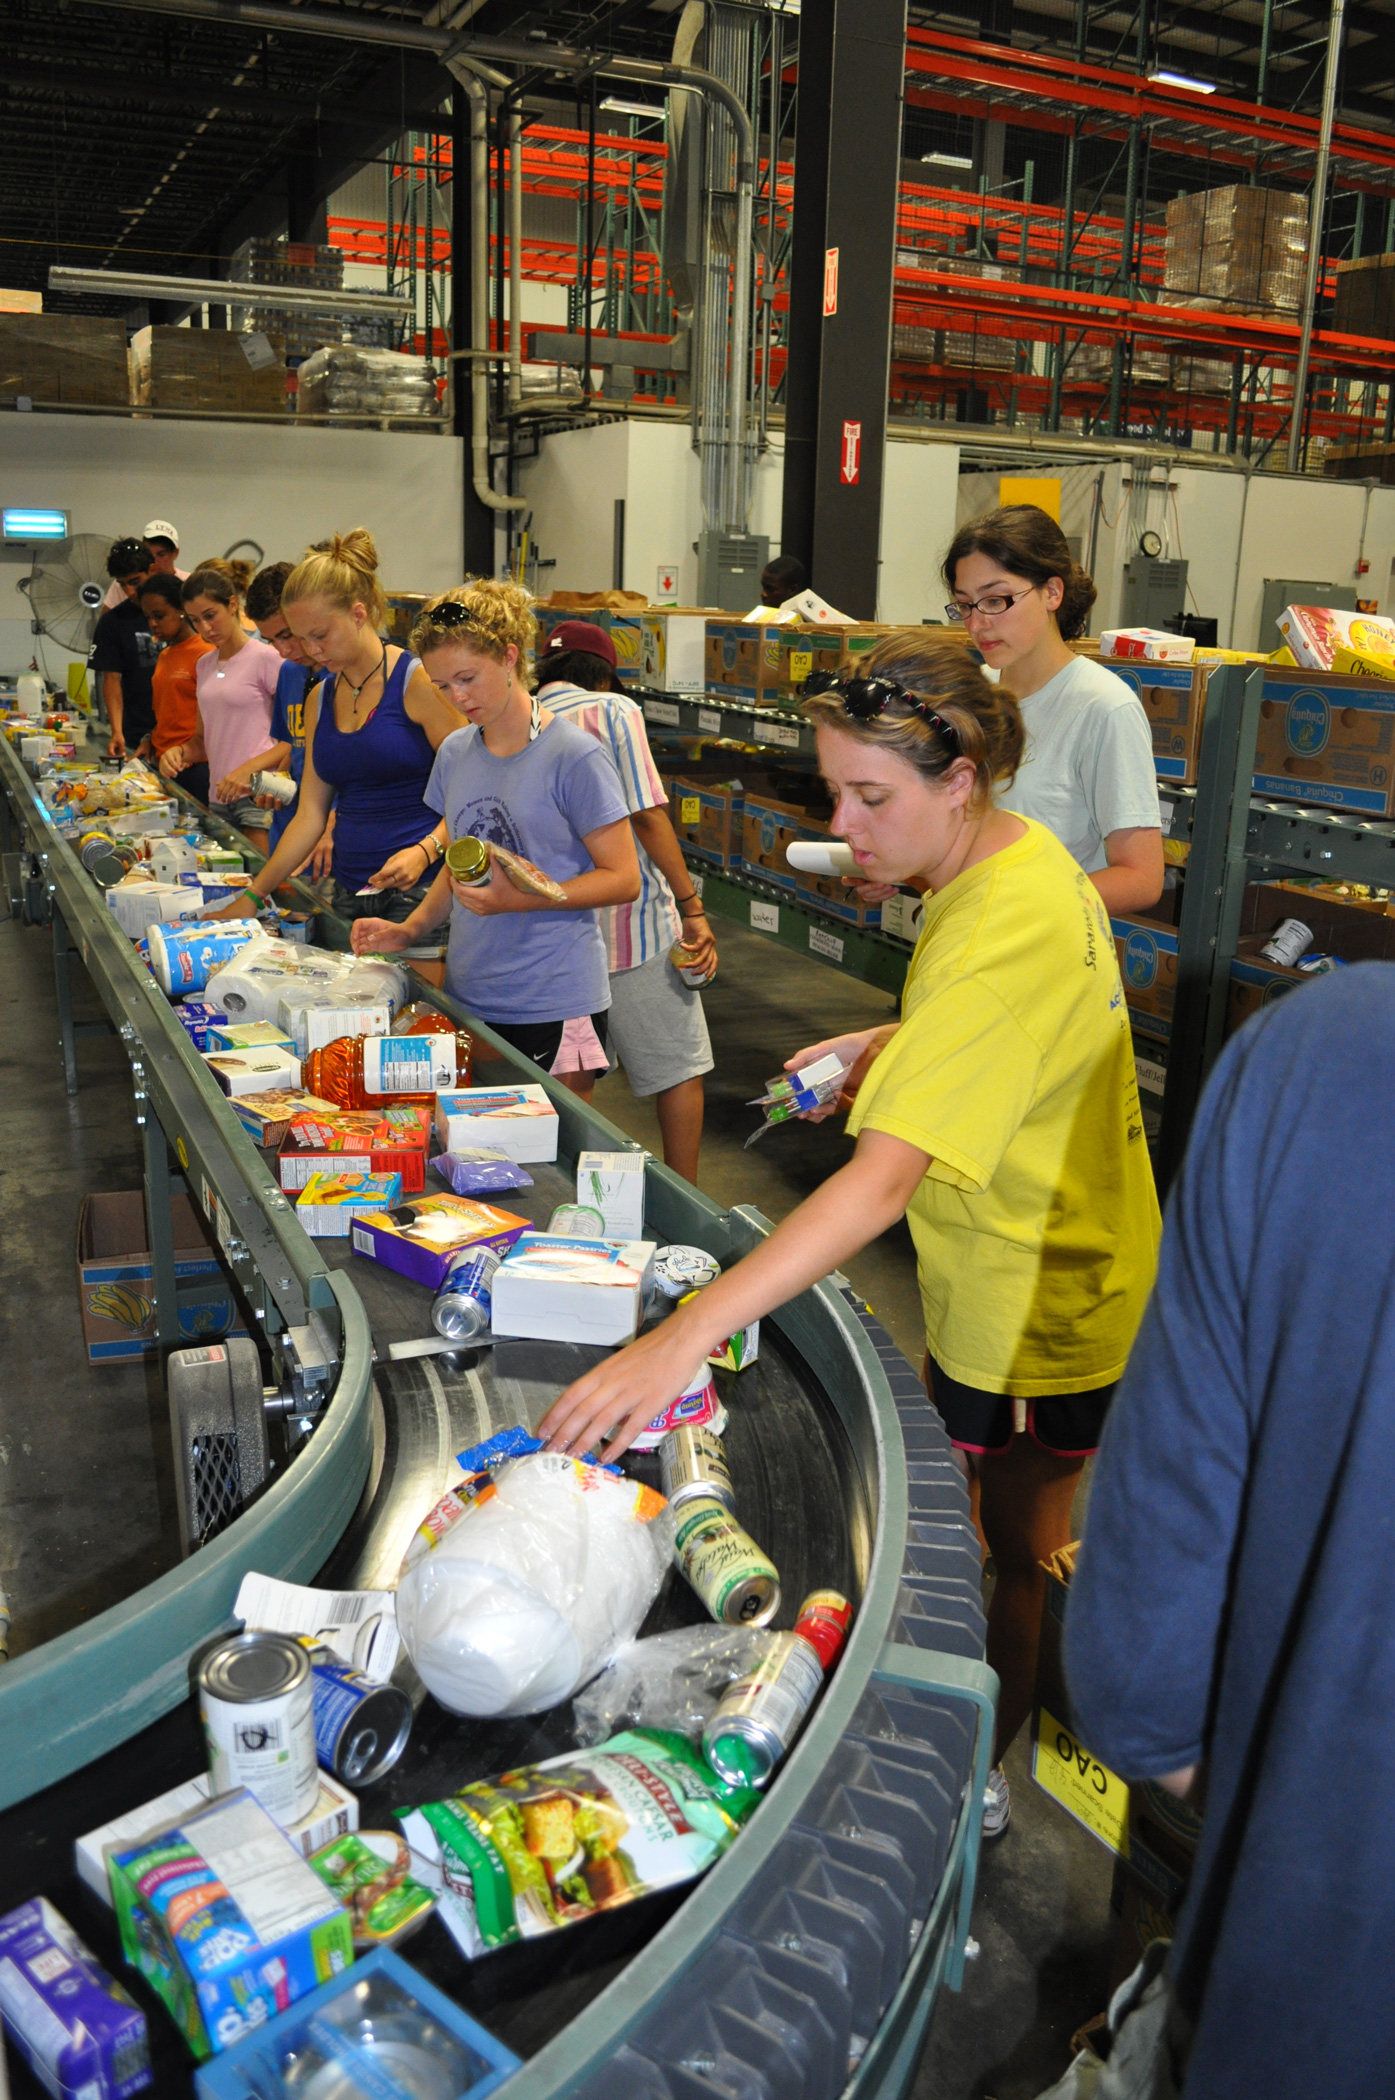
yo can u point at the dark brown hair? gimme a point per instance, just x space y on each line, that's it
986 725
1029 543
264 591
226 581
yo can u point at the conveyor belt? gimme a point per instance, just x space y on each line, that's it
813 1951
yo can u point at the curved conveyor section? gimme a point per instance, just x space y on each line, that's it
805 1965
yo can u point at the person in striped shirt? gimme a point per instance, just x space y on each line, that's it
658 1029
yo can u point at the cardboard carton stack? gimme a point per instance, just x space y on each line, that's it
207 368
72 360
274 260
1365 302
1245 248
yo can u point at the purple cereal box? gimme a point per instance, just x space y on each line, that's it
424 1237
73 2024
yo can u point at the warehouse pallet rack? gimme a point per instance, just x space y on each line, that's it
1232 835
852 1888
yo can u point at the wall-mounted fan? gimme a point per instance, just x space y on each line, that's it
66 587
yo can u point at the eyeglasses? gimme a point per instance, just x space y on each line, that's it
451 614
988 608
867 698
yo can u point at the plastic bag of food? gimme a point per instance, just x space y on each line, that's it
476 1171
550 1845
673 1681
521 1584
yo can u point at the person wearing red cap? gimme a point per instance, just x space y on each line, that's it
658 1029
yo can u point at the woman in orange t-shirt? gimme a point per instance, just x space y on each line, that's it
173 688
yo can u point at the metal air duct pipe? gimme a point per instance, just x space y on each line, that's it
463 73
447 44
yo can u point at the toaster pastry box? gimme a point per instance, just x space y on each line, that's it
1354 929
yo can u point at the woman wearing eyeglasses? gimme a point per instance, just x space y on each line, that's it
1000 1116
515 774
1088 772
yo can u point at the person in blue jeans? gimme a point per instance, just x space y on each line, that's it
1230 1626
372 728
520 777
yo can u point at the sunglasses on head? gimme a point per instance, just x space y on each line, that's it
450 615
867 698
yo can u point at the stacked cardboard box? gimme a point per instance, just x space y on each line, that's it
1365 302
707 799
272 261
1369 460
769 664
75 360
1242 246
206 368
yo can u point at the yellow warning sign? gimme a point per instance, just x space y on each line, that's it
183 1150
690 809
801 665
1085 1789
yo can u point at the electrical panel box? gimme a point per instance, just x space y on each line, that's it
1155 593
1280 591
729 569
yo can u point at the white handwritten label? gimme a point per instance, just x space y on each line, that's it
829 944
785 733
709 722
662 711
765 918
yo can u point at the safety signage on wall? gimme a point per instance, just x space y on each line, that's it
668 581
830 282
850 470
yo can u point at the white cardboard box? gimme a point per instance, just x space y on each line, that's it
312 1019
335 1811
518 1121
253 1071
613 1184
572 1290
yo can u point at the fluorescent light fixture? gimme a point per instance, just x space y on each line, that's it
219 291
1182 80
34 524
946 160
633 109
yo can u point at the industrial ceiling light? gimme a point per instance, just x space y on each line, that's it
946 160
632 109
1182 80
220 291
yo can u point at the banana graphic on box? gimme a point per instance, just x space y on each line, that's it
117 1301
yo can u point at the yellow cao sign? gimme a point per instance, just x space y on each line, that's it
1085 1789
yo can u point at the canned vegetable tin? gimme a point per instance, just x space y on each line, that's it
762 1712
257 1702
694 1463
361 1728
725 1565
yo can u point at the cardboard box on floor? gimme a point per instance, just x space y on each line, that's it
115 1272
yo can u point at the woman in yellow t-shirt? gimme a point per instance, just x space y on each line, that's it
1000 1116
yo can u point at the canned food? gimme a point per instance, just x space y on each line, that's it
279 786
1287 942
361 1728
94 846
693 1463
256 1697
468 860
679 1271
464 1305
576 1221
692 973
760 1714
725 1565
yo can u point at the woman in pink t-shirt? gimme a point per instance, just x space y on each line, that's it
236 683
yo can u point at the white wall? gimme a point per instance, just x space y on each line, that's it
919 494
221 482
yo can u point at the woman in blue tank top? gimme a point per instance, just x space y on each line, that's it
372 728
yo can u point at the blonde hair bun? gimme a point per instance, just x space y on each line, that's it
343 570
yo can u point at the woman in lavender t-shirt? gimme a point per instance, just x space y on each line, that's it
236 684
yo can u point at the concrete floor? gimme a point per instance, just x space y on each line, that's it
86 1493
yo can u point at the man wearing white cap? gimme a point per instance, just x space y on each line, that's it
163 541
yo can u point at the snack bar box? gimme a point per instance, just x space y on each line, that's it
225 1921
352 1141
518 1121
254 1071
553 1289
333 1814
424 1240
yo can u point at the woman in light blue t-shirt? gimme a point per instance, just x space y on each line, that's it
521 778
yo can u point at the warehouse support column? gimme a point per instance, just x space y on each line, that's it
477 521
306 209
847 161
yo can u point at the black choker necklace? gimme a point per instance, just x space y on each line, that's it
380 665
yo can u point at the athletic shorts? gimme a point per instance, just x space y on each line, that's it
1070 1424
658 1030
543 1042
244 813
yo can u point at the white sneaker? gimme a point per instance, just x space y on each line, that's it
997 1804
